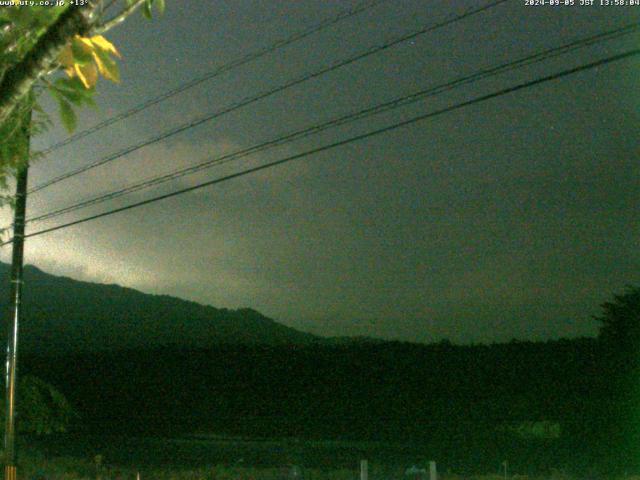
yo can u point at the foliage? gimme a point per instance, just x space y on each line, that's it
43 409
83 59
15 150
21 28
620 321
619 337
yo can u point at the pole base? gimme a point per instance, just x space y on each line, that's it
10 472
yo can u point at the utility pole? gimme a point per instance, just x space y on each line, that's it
15 304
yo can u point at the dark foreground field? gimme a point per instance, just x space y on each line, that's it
120 458
469 408
335 459
201 451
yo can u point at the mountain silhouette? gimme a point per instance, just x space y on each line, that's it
62 314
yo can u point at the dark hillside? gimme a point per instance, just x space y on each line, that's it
62 315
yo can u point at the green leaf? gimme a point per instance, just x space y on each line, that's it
146 9
13 148
74 84
80 55
72 90
108 67
69 95
69 119
22 17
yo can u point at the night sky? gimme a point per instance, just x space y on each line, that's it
515 217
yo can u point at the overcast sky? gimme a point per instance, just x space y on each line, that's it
515 217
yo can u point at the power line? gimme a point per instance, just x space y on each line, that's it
260 96
215 73
369 111
356 138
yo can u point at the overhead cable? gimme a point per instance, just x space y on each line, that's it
227 67
254 98
345 119
395 126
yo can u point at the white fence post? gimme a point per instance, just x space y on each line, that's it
433 473
364 470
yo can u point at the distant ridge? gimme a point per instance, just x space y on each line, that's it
356 340
62 314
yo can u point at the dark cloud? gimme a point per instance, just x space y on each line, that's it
511 218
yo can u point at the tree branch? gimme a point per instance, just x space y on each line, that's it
118 19
19 79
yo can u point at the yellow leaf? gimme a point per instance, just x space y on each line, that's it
88 74
104 44
85 57
91 74
107 66
78 73
66 57
86 42
101 68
